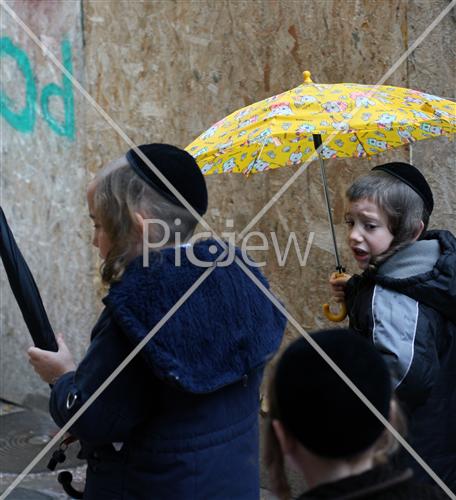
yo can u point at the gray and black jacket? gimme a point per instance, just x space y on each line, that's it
408 310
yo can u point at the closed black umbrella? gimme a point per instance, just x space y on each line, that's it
29 300
25 290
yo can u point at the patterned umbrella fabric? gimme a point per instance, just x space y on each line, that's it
364 120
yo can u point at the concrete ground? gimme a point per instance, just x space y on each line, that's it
24 432
44 486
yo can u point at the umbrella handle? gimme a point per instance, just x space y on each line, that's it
335 317
342 313
65 478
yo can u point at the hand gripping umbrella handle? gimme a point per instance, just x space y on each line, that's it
335 317
342 313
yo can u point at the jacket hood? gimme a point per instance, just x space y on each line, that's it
224 329
418 258
426 272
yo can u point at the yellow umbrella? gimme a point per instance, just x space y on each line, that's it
344 120
362 120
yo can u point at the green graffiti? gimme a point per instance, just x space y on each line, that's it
67 128
24 120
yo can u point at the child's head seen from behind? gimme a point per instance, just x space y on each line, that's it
388 209
126 193
316 422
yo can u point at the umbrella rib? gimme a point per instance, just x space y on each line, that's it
258 156
360 143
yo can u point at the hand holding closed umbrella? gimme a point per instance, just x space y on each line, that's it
50 365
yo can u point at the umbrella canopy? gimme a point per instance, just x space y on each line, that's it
364 120
25 290
344 120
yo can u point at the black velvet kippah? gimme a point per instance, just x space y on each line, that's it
316 405
411 176
178 166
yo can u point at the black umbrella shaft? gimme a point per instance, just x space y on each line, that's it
318 143
25 290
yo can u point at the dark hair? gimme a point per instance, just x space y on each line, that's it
403 207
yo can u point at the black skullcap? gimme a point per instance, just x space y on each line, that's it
413 178
316 405
178 166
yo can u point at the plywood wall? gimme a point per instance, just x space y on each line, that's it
43 182
165 71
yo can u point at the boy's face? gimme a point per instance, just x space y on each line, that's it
100 239
368 233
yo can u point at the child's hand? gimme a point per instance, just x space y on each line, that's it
338 282
51 365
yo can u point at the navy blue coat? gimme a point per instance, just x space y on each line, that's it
408 310
181 420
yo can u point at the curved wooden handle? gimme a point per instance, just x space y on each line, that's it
335 317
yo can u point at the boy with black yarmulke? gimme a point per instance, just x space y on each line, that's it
325 431
405 302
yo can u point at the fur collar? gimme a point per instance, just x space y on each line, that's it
226 328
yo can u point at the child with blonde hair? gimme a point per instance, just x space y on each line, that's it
181 420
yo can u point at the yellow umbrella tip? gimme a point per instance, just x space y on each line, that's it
307 76
428 108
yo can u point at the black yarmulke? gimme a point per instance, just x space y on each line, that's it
411 176
318 407
178 166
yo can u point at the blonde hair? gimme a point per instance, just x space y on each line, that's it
387 445
119 193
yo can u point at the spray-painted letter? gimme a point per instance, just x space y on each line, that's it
65 92
24 120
